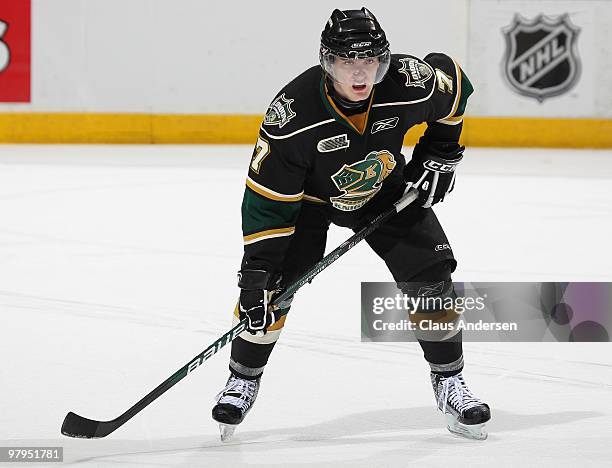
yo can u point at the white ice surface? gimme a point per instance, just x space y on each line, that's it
117 265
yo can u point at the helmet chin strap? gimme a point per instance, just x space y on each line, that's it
342 102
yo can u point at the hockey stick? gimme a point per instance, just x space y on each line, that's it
78 426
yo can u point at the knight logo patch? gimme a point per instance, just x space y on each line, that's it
279 112
417 73
360 181
541 59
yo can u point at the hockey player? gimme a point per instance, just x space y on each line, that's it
329 152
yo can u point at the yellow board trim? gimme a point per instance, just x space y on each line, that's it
129 128
537 132
244 129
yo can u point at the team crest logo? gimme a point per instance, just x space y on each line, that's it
333 143
360 181
541 58
279 112
417 73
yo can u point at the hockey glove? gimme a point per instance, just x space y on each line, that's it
254 300
432 170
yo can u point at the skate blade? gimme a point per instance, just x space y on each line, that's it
474 431
227 431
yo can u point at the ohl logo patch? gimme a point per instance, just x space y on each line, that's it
417 72
280 112
360 181
541 59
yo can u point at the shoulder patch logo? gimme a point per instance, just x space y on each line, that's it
279 113
417 72
384 124
361 180
541 59
334 143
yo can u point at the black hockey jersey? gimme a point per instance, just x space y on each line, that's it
308 151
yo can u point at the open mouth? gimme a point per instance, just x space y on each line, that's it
359 87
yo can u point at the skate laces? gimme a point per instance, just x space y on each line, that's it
238 392
456 393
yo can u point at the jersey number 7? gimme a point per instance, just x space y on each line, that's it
262 149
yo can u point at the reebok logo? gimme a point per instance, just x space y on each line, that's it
384 124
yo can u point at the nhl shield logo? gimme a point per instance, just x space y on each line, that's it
541 58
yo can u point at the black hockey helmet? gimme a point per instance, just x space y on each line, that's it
354 34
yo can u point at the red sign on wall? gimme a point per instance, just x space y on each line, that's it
15 51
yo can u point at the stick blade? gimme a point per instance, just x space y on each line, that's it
78 426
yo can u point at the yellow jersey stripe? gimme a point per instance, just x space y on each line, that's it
458 95
271 194
311 198
268 234
451 120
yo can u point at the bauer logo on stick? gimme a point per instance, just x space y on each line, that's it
541 59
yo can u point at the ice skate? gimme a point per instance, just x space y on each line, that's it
465 414
233 403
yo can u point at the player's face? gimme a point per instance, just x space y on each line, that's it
355 78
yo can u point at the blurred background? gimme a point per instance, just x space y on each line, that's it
164 71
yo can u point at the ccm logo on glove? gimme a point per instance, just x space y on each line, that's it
438 166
